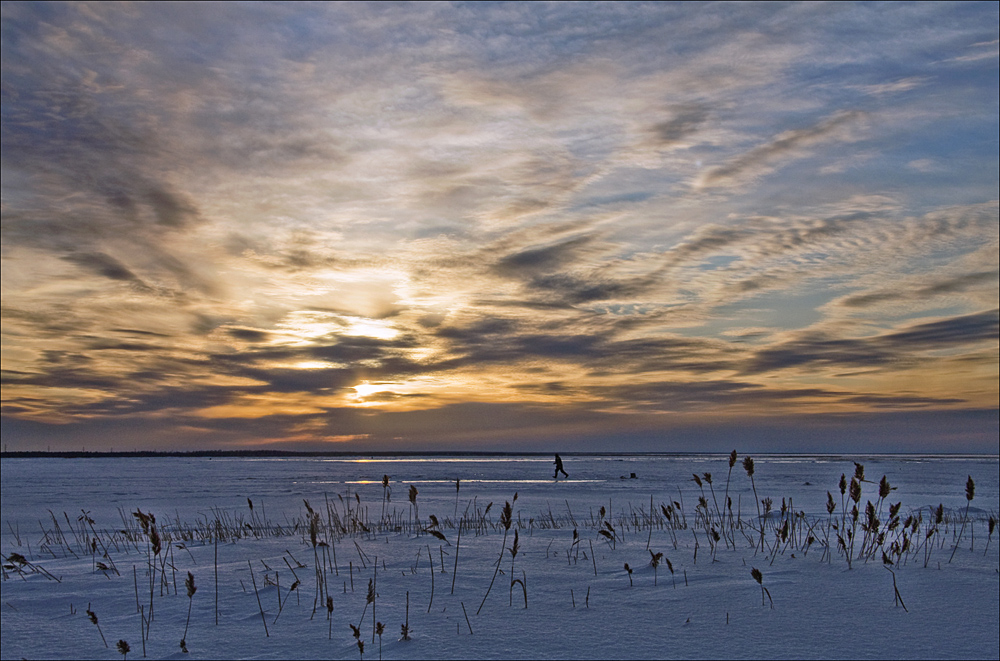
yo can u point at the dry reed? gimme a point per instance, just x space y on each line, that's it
970 493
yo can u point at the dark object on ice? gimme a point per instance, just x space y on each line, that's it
559 468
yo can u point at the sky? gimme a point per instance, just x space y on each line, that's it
514 226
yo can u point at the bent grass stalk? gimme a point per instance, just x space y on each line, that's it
257 594
887 565
466 618
931 530
430 561
505 520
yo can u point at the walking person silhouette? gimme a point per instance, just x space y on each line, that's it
559 468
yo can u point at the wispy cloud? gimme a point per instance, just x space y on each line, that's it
890 350
783 148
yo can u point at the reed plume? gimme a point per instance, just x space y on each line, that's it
970 493
931 530
991 525
505 521
92 616
514 548
654 561
413 505
406 625
385 495
728 503
191 589
757 576
749 468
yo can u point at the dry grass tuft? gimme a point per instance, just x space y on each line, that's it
654 562
757 576
505 521
970 493
92 616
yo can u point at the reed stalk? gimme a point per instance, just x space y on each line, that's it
259 605
505 520
970 493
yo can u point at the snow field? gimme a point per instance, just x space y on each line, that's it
580 602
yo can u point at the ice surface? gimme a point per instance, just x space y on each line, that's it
706 609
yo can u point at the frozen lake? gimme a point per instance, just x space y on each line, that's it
581 600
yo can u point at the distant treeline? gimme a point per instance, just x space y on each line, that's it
83 454
80 454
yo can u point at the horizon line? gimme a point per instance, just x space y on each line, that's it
95 454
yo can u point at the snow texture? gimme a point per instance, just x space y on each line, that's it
581 600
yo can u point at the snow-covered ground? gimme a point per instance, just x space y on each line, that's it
581 601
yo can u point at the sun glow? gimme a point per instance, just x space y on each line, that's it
365 389
378 328
314 365
306 326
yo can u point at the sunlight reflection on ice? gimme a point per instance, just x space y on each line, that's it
464 481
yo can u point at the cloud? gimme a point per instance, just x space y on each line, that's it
898 349
249 334
894 87
721 393
786 146
104 265
979 327
946 286
542 259
985 54
684 122
923 165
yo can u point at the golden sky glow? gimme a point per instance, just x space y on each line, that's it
591 226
